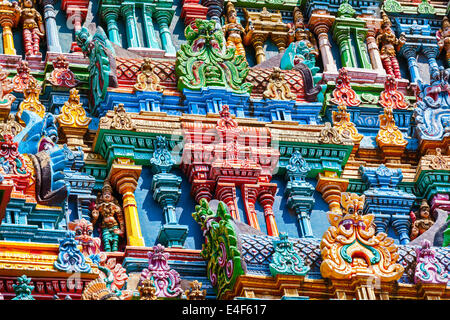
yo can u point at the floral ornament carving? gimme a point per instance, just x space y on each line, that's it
146 79
195 292
23 289
162 161
98 290
350 248
297 166
70 258
343 92
438 161
11 161
428 268
342 123
330 135
167 281
201 63
73 113
6 87
285 259
83 234
389 135
121 120
220 247
433 107
22 77
278 88
31 99
113 274
62 76
391 97
11 126
147 290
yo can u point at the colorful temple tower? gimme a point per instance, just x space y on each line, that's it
210 149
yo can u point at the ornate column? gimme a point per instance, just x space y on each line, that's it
110 15
258 43
266 198
50 25
320 22
373 25
149 29
361 35
127 11
299 193
342 37
164 17
250 193
331 186
76 11
167 191
410 53
124 175
215 8
9 17
192 10
431 52
226 192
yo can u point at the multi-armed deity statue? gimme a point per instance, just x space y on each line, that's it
33 27
112 221
389 46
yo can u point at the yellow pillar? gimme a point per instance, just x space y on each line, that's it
9 17
331 187
124 178
8 42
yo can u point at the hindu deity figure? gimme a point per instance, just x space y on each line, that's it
112 224
33 27
235 33
443 36
389 45
299 32
422 222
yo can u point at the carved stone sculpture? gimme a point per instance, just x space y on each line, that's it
33 27
234 32
389 45
421 220
112 221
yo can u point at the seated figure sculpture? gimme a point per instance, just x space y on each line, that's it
112 221
421 220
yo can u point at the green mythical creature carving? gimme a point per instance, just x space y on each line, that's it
220 247
202 63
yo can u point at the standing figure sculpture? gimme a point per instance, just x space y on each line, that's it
389 45
33 27
234 32
112 224
298 32
443 36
